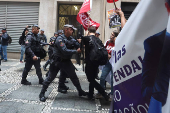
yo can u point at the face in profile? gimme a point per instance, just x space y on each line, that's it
35 30
112 37
42 32
69 31
55 35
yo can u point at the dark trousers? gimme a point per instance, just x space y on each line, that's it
91 72
28 65
68 68
46 64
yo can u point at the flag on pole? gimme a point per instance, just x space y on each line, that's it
83 18
87 6
141 61
111 1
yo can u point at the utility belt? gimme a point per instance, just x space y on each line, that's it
58 59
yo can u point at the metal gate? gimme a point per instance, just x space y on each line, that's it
128 8
15 16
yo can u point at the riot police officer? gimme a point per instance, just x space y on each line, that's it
50 51
62 56
33 49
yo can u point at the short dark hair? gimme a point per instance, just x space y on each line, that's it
92 29
116 33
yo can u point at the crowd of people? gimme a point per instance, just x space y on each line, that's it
61 48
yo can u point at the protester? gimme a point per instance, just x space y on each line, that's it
4 43
108 67
22 42
97 34
123 19
61 58
91 68
1 52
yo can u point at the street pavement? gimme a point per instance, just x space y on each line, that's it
18 98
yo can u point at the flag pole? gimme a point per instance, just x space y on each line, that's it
114 4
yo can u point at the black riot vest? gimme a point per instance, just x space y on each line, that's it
37 48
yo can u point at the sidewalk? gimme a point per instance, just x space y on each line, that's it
17 98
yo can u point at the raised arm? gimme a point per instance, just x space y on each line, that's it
121 14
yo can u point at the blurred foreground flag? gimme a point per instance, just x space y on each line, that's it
83 18
141 61
111 1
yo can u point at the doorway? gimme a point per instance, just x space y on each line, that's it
67 14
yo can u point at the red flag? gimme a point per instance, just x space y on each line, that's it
86 21
83 18
86 6
111 1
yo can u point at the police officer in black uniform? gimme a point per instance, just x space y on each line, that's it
33 47
50 50
62 56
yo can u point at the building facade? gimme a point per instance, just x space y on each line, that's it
51 15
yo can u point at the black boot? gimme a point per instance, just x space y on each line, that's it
41 81
66 81
47 74
42 95
44 67
25 82
90 97
106 96
65 87
62 88
82 93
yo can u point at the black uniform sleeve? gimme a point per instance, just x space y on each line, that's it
62 47
43 43
76 44
28 46
23 33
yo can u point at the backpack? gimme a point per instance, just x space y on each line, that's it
98 54
9 39
20 40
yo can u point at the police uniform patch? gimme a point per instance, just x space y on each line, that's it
27 42
61 44
52 42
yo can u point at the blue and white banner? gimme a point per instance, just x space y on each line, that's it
141 61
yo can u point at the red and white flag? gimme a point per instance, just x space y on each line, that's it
83 18
111 1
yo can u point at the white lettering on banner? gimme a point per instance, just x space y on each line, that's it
147 106
85 20
116 95
86 2
142 107
119 54
120 111
125 109
126 70
132 109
